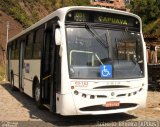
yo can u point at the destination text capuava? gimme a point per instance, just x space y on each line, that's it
112 20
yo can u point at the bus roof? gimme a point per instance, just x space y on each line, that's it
62 12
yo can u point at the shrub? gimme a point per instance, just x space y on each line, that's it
2 72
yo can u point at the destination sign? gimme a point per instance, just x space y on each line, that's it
112 20
102 17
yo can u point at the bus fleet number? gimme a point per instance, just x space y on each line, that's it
81 84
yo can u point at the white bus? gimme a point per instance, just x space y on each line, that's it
81 60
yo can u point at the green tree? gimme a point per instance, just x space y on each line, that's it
58 4
148 10
76 2
158 3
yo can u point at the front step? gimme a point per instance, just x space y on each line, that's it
47 106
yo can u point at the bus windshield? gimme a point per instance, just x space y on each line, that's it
90 47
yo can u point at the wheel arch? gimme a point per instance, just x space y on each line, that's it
35 80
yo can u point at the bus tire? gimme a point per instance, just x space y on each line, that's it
12 82
37 94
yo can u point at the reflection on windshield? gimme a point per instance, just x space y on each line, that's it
122 50
91 56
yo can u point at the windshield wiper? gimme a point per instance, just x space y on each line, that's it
95 35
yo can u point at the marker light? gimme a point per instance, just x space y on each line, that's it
84 95
76 92
140 89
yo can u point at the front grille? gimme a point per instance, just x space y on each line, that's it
111 87
102 108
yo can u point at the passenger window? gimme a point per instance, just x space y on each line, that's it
29 46
17 47
37 43
12 50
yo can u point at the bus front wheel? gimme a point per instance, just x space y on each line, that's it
37 95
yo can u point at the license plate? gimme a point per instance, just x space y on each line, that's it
112 104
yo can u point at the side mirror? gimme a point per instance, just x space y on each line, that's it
58 36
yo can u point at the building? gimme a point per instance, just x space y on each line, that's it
116 4
153 48
153 58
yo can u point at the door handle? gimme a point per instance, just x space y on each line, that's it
48 76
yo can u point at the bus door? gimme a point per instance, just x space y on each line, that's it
48 60
21 66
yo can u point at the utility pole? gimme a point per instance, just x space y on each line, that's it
5 50
62 3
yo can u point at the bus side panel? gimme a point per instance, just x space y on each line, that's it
31 70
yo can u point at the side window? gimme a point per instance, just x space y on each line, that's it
17 47
37 43
9 49
29 46
12 50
